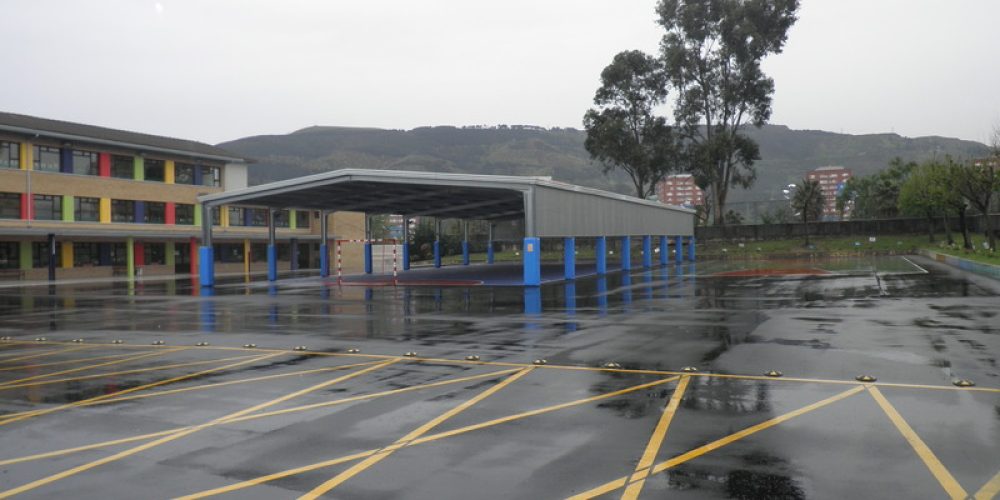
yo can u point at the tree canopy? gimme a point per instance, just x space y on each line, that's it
623 132
712 53
808 202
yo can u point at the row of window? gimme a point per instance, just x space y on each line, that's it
86 254
85 209
50 159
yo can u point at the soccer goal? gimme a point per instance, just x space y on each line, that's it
385 254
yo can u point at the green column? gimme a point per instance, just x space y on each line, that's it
25 255
67 208
197 215
140 173
170 258
130 257
291 220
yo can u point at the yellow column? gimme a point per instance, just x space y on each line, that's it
168 172
26 150
67 254
224 216
105 206
246 258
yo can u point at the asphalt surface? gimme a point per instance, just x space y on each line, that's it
248 416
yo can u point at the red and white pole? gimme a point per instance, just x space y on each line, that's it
340 263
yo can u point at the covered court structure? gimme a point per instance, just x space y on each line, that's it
547 208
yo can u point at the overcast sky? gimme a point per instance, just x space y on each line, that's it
216 70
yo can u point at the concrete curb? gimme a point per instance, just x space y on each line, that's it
988 270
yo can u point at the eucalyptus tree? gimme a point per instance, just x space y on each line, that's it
712 52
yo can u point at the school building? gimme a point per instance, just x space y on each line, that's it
80 201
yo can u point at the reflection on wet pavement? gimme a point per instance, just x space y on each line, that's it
248 415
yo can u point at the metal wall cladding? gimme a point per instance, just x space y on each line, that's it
561 213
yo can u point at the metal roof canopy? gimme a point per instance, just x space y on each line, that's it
549 208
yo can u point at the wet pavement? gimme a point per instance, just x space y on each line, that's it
119 415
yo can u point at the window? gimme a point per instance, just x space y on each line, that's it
10 255
184 214
41 254
216 216
258 216
10 155
85 163
86 209
280 218
236 216
229 252
46 159
156 212
155 253
122 211
122 167
258 252
153 170
86 254
119 254
211 176
184 173
48 207
302 219
10 206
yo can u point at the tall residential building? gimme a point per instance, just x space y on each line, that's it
680 190
80 201
831 182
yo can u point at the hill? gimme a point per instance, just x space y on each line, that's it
525 150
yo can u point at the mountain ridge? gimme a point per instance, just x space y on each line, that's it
787 154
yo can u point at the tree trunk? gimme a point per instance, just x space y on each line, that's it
718 217
964 227
805 222
991 236
947 229
930 227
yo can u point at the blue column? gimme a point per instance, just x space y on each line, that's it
664 251
691 248
532 256
368 258
406 257
437 253
140 212
198 178
602 295
601 254
626 252
647 251
206 266
489 252
272 262
104 254
678 249
465 253
569 258
324 260
66 160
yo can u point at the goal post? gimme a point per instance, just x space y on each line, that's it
387 256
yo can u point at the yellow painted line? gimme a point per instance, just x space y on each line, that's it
940 472
255 416
22 382
719 443
990 489
71 348
123 372
582 368
414 434
655 441
66 362
15 417
426 439
186 432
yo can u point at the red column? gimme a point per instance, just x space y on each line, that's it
26 207
140 254
171 215
104 164
194 256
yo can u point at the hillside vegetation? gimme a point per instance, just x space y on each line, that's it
524 150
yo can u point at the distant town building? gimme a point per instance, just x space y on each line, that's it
831 182
680 190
